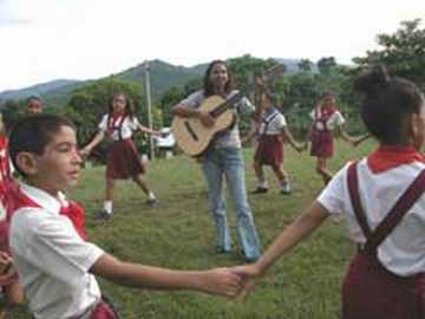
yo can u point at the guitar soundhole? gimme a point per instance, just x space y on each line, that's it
190 130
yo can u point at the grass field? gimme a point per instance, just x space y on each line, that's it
179 234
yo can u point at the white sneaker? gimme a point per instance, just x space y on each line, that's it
286 188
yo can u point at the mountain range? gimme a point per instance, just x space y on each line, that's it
163 76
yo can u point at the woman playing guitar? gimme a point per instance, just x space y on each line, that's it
223 159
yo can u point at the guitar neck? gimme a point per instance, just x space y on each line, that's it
227 104
268 75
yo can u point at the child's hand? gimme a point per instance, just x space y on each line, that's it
85 152
221 281
300 148
249 274
7 271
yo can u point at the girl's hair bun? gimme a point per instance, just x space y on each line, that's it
373 81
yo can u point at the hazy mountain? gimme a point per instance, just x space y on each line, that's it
58 86
163 76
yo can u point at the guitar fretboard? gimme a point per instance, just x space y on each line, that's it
223 107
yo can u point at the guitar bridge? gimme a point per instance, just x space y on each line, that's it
190 130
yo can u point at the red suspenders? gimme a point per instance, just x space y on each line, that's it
401 207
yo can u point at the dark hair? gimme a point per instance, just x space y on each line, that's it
33 133
208 86
387 103
33 97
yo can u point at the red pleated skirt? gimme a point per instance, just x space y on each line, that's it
123 160
322 144
269 150
104 311
370 291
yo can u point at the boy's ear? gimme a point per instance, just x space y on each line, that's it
417 130
26 163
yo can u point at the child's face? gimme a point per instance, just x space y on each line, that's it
328 101
34 106
119 103
59 166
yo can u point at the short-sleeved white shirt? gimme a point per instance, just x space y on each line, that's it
272 122
228 138
129 125
403 251
334 121
52 260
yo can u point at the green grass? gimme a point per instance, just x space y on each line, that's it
179 234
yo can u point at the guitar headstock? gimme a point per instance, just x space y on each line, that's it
273 72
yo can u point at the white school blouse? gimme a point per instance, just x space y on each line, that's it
334 121
129 125
403 251
52 260
275 123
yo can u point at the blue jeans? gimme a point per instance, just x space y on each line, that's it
227 162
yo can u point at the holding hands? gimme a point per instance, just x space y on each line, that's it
7 271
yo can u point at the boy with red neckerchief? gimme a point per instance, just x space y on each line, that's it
56 265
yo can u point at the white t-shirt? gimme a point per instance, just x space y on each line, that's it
334 121
403 251
272 122
52 260
128 126
229 138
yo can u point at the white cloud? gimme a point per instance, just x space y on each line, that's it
48 39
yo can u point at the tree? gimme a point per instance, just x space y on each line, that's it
89 103
403 52
305 65
326 64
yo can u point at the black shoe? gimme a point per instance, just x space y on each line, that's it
260 190
151 202
248 259
285 192
222 250
102 215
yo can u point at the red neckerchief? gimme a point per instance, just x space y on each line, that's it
73 211
115 121
5 173
387 157
324 112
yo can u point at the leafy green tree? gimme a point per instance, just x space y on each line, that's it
305 65
326 64
403 52
12 111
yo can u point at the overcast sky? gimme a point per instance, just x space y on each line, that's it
43 40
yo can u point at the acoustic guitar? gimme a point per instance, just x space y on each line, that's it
193 137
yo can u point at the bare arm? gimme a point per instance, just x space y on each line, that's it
252 132
148 130
215 281
96 140
183 111
286 133
301 228
345 136
361 139
296 232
